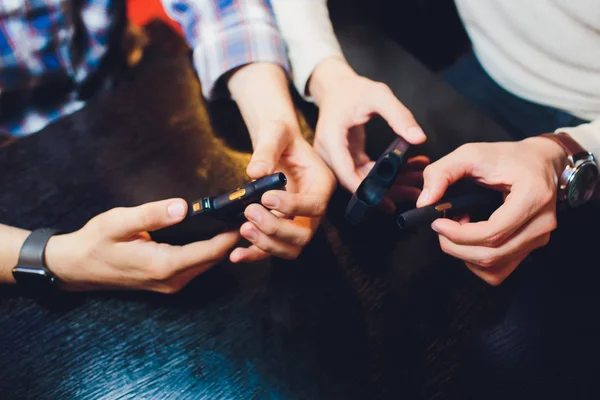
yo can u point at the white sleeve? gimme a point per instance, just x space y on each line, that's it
307 31
587 135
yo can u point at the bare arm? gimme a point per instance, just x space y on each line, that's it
12 239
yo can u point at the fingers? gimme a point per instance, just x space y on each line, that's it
207 252
249 255
400 119
126 222
269 244
341 162
268 148
286 230
494 264
296 204
444 172
182 264
488 257
271 235
519 207
416 163
496 276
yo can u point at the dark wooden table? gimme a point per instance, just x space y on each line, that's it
363 314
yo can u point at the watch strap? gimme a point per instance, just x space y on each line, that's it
569 145
31 272
34 248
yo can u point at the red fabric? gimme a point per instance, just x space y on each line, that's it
143 11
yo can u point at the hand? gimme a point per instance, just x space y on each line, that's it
527 171
262 94
346 102
280 147
114 251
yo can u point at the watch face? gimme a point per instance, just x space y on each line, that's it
33 278
582 186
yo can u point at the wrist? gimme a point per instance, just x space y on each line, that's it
552 152
262 94
12 241
59 255
328 73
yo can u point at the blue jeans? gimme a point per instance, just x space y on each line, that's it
512 356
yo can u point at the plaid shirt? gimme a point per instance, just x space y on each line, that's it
41 42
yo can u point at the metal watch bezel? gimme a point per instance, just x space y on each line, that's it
571 171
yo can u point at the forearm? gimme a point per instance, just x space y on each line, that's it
262 95
227 35
12 239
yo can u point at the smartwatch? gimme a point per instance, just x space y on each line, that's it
31 272
579 180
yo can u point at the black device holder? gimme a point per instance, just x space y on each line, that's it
382 176
211 215
379 180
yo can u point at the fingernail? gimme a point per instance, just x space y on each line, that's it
415 133
271 201
253 214
423 198
435 228
176 210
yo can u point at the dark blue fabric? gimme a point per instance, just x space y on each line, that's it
519 117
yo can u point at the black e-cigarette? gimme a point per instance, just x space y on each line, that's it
449 208
379 180
230 205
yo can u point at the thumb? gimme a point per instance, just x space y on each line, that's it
270 143
443 173
122 223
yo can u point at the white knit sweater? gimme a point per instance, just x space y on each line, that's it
545 51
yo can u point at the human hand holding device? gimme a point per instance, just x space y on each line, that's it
527 173
114 251
262 94
346 102
452 207
393 178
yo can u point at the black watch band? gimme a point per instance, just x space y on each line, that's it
31 272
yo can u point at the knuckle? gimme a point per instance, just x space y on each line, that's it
303 239
267 247
160 274
494 240
487 261
382 88
546 195
169 289
214 254
552 225
469 149
104 221
161 271
493 280
429 171
292 255
144 216
545 240
320 207
271 229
